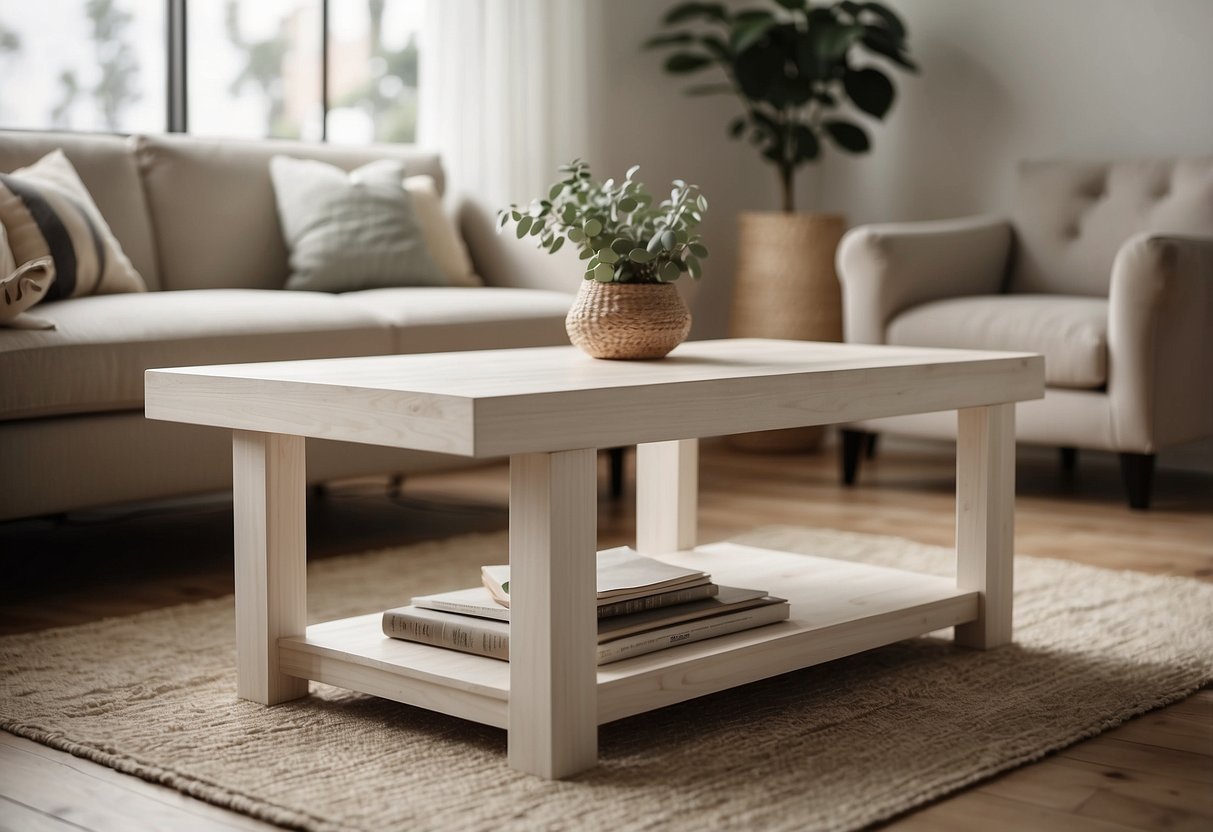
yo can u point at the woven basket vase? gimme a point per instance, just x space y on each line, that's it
628 320
786 287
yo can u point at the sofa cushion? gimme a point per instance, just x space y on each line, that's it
443 319
195 186
106 165
1071 218
350 231
95 358
441 237
47 211
1071 332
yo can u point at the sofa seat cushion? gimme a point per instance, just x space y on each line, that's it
447 319
1071 332
95 357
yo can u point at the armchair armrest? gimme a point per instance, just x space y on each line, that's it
1160 341
885 269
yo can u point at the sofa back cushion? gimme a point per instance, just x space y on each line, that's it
1072 217
106 165
213 209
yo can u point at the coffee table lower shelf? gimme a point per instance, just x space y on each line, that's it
839 608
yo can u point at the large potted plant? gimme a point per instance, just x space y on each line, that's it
800 72
634 248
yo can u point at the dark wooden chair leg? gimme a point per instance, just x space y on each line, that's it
852 444
1069 459
616 457
869 449
1137 471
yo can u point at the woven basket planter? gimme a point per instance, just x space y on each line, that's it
628 320
786 287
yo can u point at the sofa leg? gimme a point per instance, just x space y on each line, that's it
1137 471
616 457
1069 459
853 444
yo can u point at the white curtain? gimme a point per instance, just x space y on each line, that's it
504 93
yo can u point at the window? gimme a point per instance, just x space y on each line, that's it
83 65
345 70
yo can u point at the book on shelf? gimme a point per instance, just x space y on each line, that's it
623 575
478 601
619 637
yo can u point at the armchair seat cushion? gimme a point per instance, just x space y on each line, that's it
1071 332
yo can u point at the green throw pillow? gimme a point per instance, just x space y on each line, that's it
350 231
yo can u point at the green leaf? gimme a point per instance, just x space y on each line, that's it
690 11
604 273
654 244
850 137
555 190
516 215
870 89
669 271
632 172
503 217
622 245
585 254
792 5
576 235
592 228
627 205
694 268
556 244
640 255
888 17
757 69
699 90
737 127
668 240
701 202
717 47
832 43
683 62
608 255
808 147
569 214
668 40
698 249
883 44
524 225
750 31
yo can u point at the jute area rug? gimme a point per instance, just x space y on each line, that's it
838 746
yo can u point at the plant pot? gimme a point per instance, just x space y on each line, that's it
786 287
628 320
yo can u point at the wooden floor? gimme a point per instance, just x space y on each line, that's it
1155 772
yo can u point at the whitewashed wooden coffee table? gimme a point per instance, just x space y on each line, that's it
548 409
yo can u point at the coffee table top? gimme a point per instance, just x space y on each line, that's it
499 402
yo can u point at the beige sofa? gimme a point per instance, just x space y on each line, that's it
198 220
1104 268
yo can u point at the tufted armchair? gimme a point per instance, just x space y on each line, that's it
1105 268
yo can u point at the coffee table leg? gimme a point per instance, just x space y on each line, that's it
667 495
271 559
553 725
985 520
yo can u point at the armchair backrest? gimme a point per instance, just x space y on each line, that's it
1072 217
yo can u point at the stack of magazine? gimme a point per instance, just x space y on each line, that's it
644 605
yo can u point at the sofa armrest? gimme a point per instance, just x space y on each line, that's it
504 260
886 269
1160 341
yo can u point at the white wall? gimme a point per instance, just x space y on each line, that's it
1001 81
1006 81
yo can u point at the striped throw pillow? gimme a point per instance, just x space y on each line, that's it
48 212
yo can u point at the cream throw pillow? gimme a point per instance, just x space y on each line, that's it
21 288
441 238
48 212
350 231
